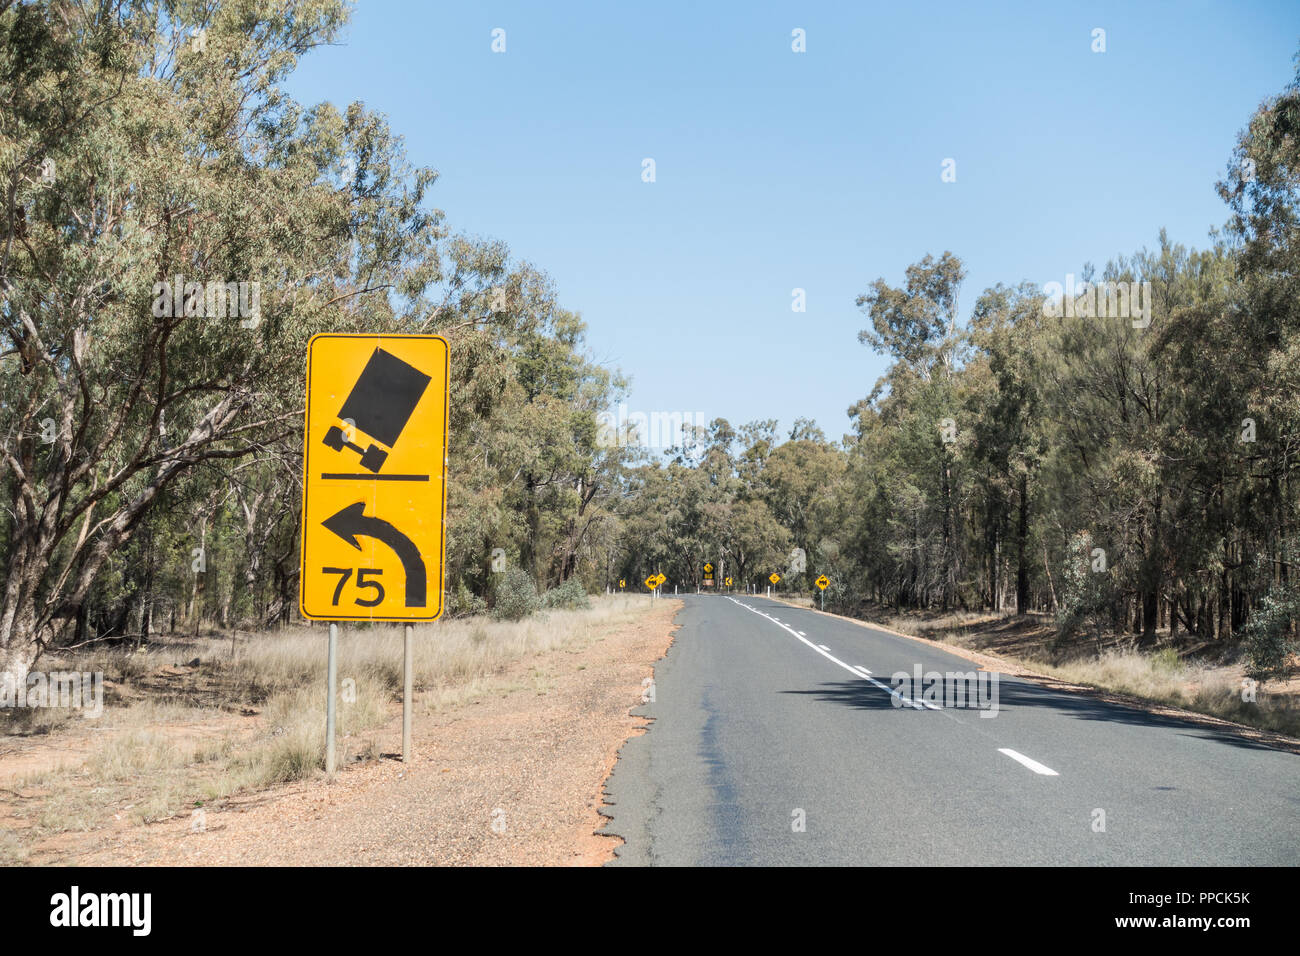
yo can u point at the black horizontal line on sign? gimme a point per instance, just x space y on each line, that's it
342 476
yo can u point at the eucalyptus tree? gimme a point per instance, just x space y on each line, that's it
916 325
175 227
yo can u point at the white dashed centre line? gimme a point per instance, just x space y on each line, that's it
825 652
857 670
1033 765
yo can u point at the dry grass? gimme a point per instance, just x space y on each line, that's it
1162 677
174 736
12 851
447 653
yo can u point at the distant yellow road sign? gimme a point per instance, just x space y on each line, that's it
374 464
823 582
622 583
727 581
660 578
774 577
708 568
652 582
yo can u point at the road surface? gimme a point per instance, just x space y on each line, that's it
771 746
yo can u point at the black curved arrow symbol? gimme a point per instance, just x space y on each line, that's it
353 521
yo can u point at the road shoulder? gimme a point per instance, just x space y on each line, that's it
513 776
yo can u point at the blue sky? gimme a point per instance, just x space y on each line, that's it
821 170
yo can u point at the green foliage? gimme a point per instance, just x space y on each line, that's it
462 602
515 597
570 595
1086 598
1269 635
180 432
177 160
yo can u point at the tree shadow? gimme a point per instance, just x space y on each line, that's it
1014 693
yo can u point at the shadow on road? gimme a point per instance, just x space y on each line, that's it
1015 693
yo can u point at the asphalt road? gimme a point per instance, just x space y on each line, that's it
770 746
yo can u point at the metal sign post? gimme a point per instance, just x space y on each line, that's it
406 694
331 703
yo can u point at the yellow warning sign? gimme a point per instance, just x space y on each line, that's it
374 468
774 577
823 582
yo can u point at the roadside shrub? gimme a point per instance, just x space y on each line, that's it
464 603
569 596
1268 635
1086 595
515 597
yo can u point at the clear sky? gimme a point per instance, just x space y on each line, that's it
820 170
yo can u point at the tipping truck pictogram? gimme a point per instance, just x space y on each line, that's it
380 404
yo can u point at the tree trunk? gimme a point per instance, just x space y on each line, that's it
20 650
949 570
1150 609
1022 558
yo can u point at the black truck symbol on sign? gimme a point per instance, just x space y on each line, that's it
380 404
